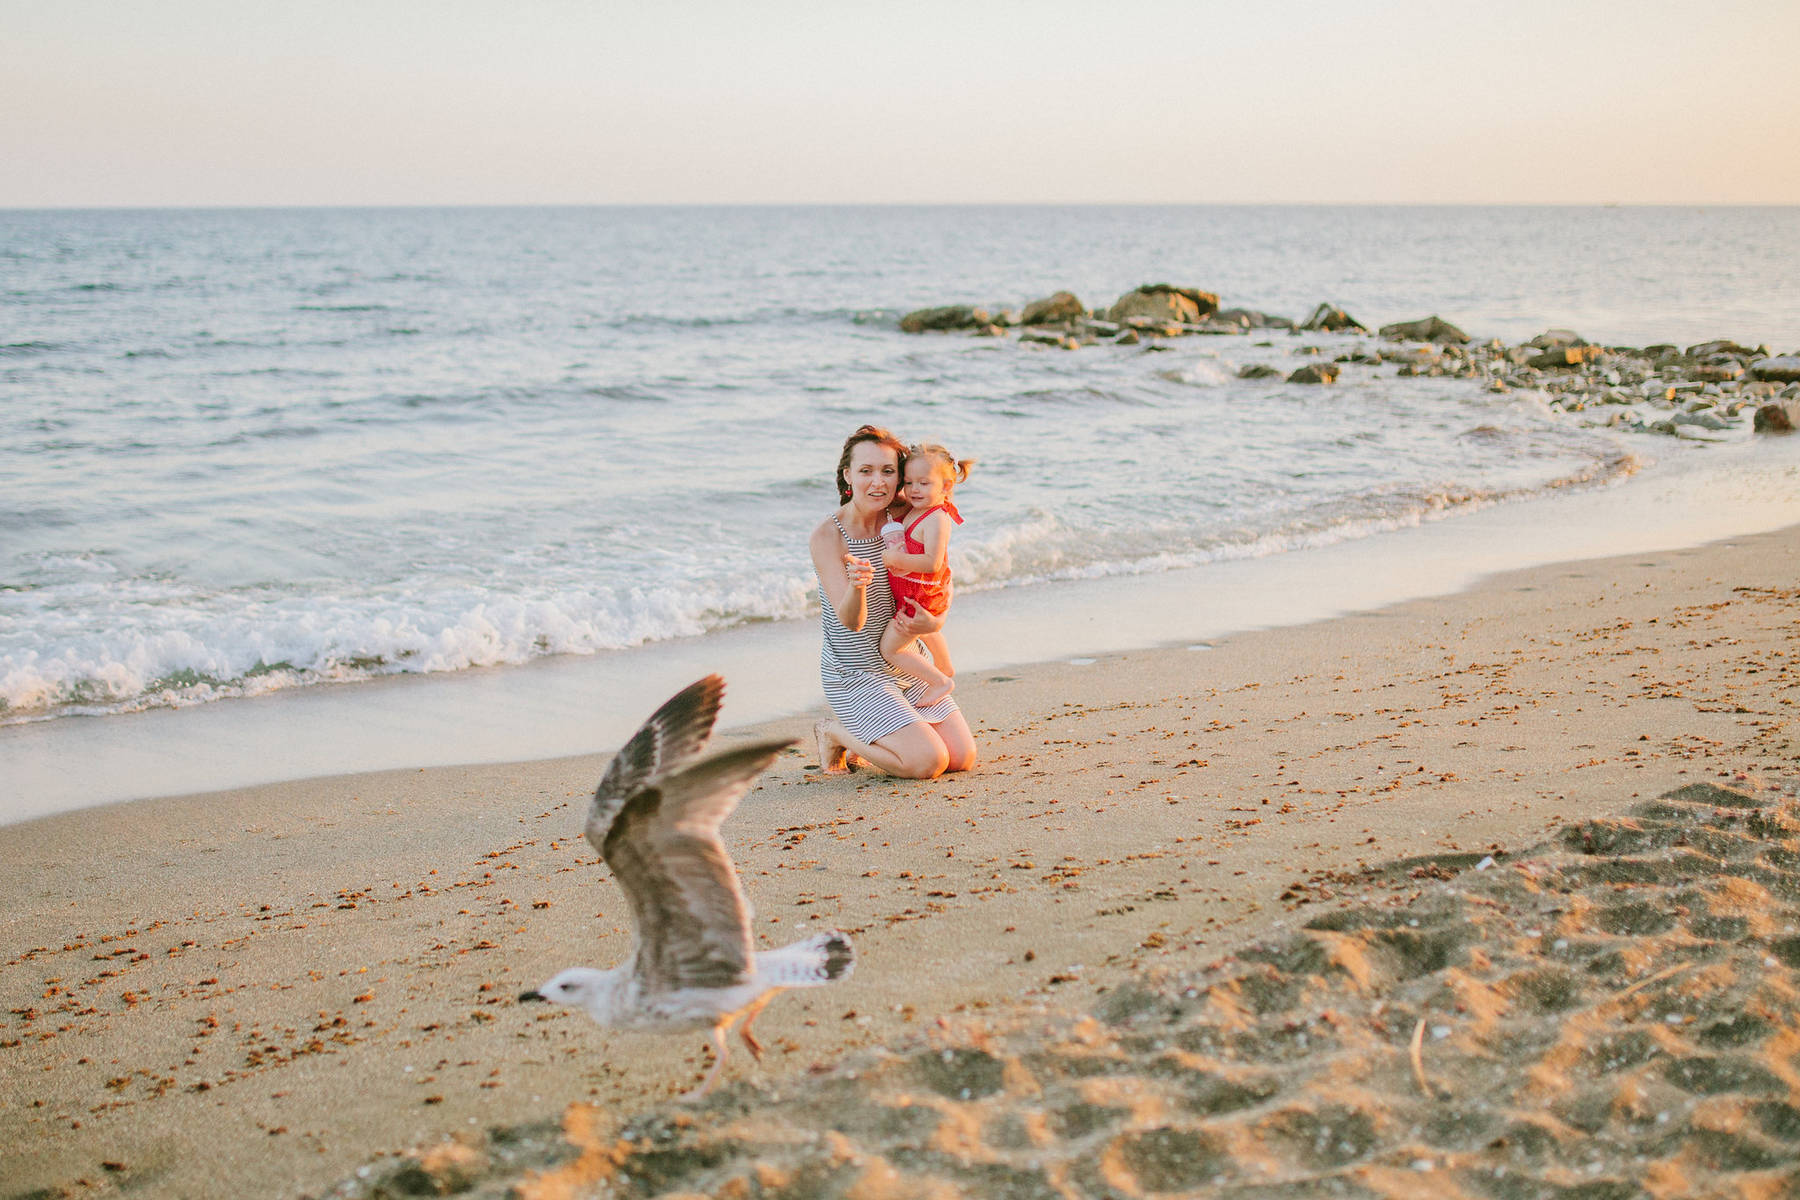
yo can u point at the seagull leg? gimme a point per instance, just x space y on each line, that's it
756 1006
717 1037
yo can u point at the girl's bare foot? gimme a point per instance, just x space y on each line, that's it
931 693
831 755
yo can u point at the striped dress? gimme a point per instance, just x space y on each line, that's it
864 691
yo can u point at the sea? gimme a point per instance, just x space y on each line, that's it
263 453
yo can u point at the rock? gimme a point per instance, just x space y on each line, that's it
1553 338
1047 337
1164 302
1102 329
1417 356
1705 420
1784 368
949 316
1128 338
1332 320
1316 373
1216 327
1565 356
1063 306
1426 329
1257 371
1006 318
1782 416
1722 346
1719 372
989 331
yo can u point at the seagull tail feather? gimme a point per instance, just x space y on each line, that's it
821 959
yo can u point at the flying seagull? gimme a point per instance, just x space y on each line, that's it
655 820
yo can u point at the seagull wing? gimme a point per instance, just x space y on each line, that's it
674 733
693 923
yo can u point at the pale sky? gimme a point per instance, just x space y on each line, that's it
260 102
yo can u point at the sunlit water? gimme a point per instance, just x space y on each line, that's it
249 450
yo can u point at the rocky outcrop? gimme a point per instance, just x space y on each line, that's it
949 316
1164 303
1327 318
1426 329
1258 371
1053 309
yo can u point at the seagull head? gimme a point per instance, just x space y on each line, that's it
577 987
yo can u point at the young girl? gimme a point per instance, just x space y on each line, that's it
915 553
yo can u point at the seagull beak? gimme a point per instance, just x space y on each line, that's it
527 996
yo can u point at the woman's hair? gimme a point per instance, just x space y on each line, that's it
956 468
865 433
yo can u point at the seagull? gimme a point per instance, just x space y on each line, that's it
655 820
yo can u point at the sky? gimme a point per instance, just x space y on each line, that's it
446 102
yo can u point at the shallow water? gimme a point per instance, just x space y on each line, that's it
248 451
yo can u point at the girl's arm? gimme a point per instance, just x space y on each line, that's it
843 577
934 534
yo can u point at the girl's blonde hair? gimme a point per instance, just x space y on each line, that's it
957 468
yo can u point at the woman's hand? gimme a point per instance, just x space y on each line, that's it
917 622
858 572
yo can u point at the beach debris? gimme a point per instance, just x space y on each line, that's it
655 819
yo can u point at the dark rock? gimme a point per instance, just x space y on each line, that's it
1332 320
1722 346
1782 369
1257 371
1718 372
1048 337
1564 356
1316 373
1782 416
1552 338
1425 329
1129 338
1063 306
989 331
949 316
1164 303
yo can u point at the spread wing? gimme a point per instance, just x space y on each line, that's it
674 733
693 923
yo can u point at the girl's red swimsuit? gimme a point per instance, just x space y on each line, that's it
930 592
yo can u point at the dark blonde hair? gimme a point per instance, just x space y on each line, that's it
866 433
957 468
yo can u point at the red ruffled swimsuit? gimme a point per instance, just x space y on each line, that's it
930 592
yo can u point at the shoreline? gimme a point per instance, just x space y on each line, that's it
568 705
299 978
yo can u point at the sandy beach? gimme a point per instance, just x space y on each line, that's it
1206 919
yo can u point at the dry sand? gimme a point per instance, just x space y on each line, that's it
1175 935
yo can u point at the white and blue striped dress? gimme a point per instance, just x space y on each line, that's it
864 691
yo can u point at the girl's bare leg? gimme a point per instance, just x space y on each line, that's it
940 651
895 648
915 752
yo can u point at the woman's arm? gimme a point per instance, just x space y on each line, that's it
934 534
842 576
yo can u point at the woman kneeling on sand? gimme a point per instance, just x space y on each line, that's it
875 721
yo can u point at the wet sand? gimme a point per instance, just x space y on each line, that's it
1163 940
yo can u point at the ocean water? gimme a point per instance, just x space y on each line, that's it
250 451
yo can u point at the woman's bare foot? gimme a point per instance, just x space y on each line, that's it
832 757
931 693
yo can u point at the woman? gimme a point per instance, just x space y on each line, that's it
874 721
